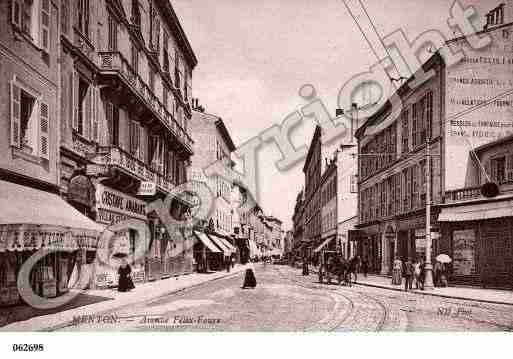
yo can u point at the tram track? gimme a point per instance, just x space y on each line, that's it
340 324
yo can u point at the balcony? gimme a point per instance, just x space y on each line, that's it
463 194
113 63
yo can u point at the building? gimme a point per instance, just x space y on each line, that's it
347 198
213 145
298 224
275 235
449 113
313 170
32 215
477 230
328 188
126 76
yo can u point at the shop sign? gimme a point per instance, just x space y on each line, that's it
463 251
147 188
110 202
420 238
81 190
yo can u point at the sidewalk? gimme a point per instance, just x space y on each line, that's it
95 302
495 296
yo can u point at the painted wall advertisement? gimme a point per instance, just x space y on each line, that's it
478 100
463 251
113 206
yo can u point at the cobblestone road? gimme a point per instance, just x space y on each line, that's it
286 301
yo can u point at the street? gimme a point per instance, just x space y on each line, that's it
286 301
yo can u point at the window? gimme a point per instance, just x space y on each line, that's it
135 139
177 71
136 13
134 62
151 79
154 29
415 187
83 17
32 17
498 168
113 34
112 113
82 107
429 113
415 129
65 16
165 97
509 169
30 122
165 54
406 189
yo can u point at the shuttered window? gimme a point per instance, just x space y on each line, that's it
44 130
45 26
15 115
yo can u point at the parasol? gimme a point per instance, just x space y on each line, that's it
443 258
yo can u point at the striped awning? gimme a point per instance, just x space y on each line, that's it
207 242
226 250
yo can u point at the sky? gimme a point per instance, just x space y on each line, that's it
254 56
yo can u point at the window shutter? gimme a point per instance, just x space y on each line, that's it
86 117
509 167
16 12
44 123
45 26
75 84
15 115
95 114
110 123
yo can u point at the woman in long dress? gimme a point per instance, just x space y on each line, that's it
125 282
249 277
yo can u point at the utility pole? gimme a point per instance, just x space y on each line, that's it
428 278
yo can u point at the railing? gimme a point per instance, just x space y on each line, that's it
114 61
463 194
114 156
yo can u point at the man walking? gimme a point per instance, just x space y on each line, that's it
408 274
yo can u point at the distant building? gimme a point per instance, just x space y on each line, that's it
461 106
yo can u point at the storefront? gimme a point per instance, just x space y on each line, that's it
479 239
32 220
207 255
114 207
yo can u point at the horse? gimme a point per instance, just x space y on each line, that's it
353 269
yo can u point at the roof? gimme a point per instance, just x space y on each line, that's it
498 142
225 134
316 135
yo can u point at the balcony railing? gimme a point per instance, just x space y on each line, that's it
114 61
114 156
463 194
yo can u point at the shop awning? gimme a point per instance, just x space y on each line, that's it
323 244
228 244
31 219
207 242
227 251
476 212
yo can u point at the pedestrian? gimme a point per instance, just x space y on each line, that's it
228 263
443 276
249 278
422 277
407 274
437 273
233 261
125 283
397 271
305 267
365 267
416 273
